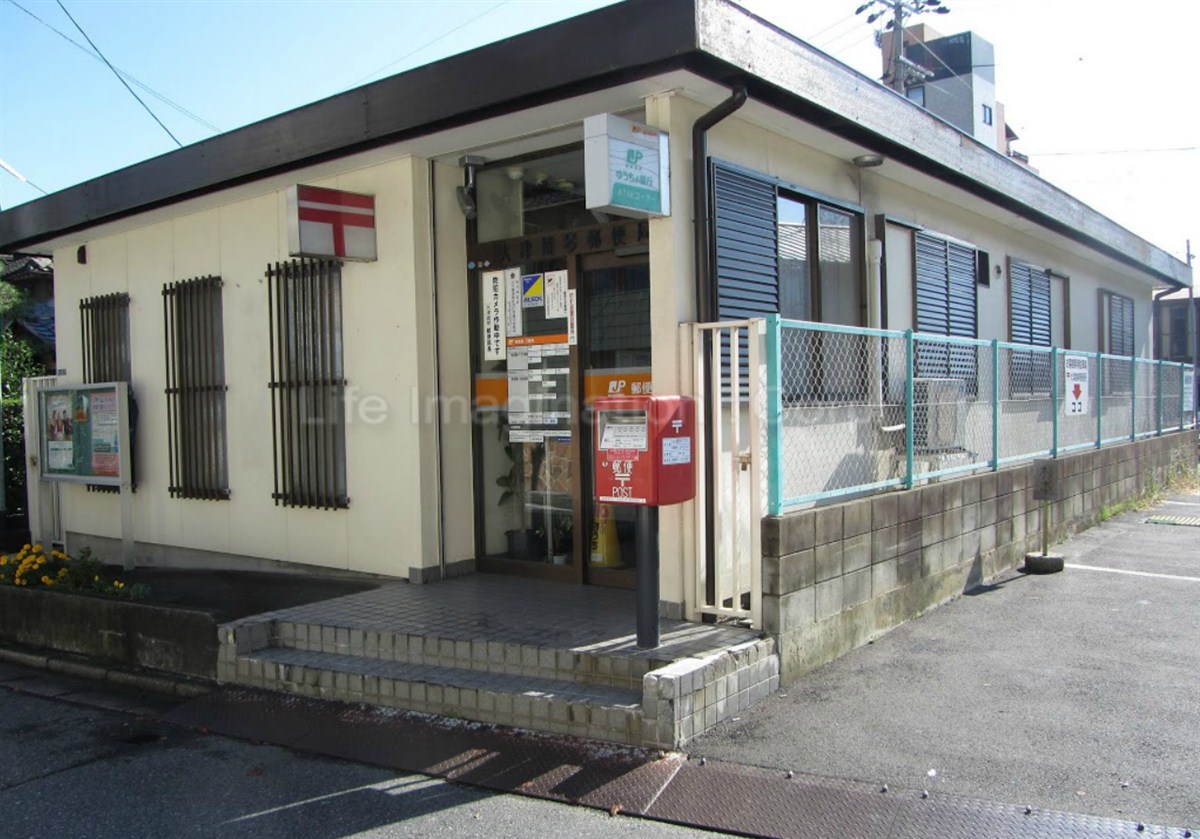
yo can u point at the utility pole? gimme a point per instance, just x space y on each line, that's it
899 74
900 67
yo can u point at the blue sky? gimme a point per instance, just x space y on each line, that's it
1102 97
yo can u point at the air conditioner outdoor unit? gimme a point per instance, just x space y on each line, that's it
939 415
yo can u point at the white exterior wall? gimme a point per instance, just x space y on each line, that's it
388 355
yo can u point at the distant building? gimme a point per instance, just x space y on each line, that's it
1175 334
954 78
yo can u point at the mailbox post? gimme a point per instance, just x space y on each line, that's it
644 457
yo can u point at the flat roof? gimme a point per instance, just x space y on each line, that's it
715 39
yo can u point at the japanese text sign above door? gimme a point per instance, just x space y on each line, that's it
626 167
329 222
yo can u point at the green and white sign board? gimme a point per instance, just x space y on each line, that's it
83 433
626 167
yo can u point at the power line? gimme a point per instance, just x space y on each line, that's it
118 75
445 34
165 100
1114 151
20 177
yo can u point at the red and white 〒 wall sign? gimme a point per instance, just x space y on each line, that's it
330 222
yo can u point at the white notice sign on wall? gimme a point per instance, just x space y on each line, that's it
1075 379
492 292
556 294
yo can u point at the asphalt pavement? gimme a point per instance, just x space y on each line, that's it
1077 691
1061 705
85 762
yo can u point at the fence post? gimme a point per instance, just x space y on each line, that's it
1132 398
1054 401
1158 394
774 417
1099 399
1183 397
909 413
995 404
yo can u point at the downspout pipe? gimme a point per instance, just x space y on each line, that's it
705 302
706 308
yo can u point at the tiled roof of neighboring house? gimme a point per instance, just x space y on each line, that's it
23 267
39 319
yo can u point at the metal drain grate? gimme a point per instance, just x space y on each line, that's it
1182 521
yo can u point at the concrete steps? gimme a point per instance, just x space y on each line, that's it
607 690
568 707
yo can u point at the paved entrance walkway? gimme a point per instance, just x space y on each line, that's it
1078 691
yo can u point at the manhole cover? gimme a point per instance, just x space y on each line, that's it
1182 521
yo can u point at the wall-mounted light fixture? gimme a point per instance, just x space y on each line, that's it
868 161
466 194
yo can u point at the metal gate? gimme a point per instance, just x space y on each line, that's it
44 498
728 378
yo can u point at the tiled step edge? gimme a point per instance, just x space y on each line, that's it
613 670
563 707
686 698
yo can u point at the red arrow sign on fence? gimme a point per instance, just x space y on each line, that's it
1077 391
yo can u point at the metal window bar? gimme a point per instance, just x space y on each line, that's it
307 384
195 391
104 330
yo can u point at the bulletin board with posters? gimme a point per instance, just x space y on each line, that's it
84 433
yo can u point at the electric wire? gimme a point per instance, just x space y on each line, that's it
10 170
165 100
428 44
118 75
1114 151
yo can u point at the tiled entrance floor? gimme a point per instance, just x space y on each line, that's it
507 650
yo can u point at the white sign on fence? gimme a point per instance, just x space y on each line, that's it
1075 393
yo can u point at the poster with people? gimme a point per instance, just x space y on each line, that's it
80 434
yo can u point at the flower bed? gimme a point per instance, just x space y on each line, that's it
53 602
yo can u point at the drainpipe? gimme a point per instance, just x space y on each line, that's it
704 285
705 303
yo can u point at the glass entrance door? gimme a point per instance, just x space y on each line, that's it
558 317
527 417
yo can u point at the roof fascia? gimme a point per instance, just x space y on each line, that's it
795 77
589 52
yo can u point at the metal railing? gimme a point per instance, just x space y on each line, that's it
853 410
727 377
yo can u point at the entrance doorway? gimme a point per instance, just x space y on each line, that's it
558 319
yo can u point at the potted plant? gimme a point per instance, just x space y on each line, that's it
523 542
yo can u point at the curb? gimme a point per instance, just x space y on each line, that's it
159 683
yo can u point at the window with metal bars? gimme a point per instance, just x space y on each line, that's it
195 360
945 283
104 333
778 249
1029 323
1116 331
307 384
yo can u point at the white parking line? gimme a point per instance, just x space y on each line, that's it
1132 573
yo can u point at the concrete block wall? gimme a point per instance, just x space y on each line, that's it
835 577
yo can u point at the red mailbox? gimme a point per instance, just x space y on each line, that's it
645 449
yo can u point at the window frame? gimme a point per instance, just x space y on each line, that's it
1029 372
307 385
104 319
1117 380
197 418
959 274
767 271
